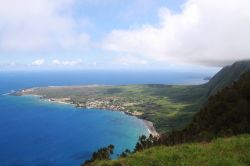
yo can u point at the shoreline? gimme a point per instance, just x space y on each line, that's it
151 128
150 125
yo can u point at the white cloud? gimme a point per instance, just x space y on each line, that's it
207 32
38 62
128 60
94 63
56 62
67 63
12 63
31 25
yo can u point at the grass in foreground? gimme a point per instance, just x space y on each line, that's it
234 151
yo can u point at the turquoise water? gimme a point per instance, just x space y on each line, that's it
34 132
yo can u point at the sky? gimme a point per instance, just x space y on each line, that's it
123 34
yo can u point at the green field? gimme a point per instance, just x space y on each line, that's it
234 151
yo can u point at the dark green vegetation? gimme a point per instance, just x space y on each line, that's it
101 154
234 151
169 107
142 144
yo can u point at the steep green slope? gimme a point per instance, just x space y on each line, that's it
227 112
233 151
226 76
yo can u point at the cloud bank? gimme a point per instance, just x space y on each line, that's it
32 25
207 32
38 62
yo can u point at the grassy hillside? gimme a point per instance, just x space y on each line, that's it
233 151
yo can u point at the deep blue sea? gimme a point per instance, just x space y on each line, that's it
35 132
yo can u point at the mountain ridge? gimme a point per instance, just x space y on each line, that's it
226 76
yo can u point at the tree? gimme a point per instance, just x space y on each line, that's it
102 154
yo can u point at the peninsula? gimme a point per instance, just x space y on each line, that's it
90 98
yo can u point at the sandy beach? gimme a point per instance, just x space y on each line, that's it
151 128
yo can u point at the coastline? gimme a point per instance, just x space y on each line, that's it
150 125
151 128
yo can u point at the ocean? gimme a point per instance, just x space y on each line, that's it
35 132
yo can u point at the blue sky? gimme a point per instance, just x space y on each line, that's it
122 34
